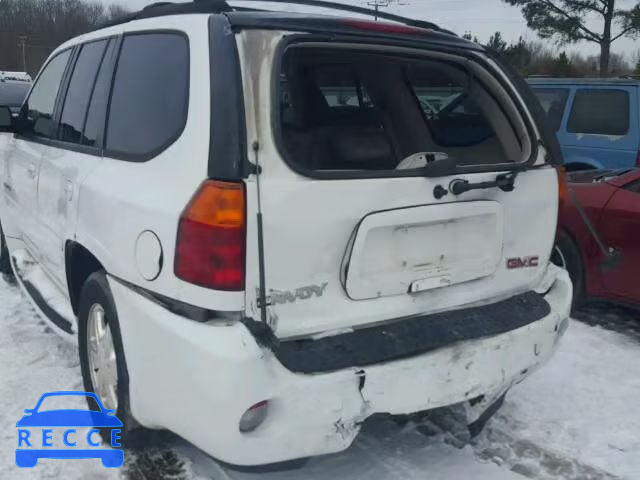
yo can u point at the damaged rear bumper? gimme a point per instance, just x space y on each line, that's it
197 380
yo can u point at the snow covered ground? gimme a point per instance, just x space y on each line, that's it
576 419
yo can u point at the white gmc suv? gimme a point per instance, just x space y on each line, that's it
263 228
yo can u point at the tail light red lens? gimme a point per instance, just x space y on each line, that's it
563 186
563 195
210 248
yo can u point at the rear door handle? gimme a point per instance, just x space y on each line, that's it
32 171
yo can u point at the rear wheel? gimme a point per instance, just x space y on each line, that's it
5 264
104 369
566 255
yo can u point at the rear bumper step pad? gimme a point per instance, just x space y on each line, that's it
411 336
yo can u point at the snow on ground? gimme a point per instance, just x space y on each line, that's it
583 405
34 361
576 419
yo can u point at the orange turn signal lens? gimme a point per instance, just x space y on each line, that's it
218 204
211 243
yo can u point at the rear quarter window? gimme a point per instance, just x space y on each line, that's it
600 112
149 101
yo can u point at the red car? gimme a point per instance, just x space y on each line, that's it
611 200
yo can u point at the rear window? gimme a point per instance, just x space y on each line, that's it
600 112
150 95
553 101
345 112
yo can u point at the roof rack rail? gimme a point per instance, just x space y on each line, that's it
352 9
160 9
163 8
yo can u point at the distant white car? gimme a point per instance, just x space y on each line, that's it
15 76
13 93
247 261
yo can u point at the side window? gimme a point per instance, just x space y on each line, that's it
553 101
149 100
600 112
79 92
94 125
341 88
38 109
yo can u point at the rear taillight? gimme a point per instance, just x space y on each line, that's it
210 248
563 186
563 196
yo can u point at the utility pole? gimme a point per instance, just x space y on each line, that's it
22 42
378 4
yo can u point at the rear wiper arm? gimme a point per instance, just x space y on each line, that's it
505 182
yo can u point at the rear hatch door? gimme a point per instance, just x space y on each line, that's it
343 251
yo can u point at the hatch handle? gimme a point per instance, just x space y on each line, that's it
505 182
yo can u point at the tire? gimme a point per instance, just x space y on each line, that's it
567 255
97 294
5 264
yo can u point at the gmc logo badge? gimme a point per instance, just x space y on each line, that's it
526 262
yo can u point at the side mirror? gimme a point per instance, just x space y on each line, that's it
6 119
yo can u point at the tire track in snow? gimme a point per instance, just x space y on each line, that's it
531 460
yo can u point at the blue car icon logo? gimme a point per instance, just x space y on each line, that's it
30 439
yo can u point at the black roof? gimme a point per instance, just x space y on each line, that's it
222 6
245 16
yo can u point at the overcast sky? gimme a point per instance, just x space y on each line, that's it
481 17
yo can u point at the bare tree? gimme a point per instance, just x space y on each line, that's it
635 58
31 29
566 22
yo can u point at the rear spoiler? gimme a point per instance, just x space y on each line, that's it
347 26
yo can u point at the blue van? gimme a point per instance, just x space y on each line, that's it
597 120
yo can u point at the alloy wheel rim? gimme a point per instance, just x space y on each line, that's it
102 357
